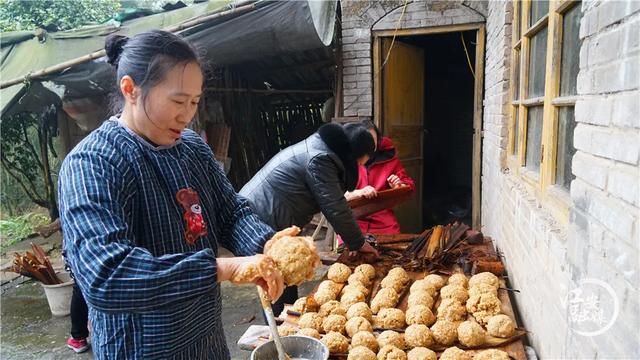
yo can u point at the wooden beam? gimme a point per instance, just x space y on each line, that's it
476 187
539 25
515 59
565 100
524 83
533 101
429 30
377 83
552 89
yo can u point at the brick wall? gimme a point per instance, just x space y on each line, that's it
547 257
359 18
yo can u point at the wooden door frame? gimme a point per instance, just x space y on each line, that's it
477 96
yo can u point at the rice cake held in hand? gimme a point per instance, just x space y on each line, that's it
295 256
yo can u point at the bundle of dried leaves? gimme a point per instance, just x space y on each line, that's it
35 265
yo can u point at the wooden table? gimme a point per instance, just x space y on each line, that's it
515 349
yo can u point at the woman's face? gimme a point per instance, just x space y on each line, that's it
169 106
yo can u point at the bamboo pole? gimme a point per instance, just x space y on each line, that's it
238 10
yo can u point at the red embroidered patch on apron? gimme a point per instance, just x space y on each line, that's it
195 225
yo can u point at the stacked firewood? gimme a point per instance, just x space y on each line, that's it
35 265
442 246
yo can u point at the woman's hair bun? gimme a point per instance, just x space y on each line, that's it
113 45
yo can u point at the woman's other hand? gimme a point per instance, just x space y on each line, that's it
394 181
258 269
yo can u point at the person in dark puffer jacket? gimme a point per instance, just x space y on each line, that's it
309 177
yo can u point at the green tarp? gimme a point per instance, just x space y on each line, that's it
19 58
272 29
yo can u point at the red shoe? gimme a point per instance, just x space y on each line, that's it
78 345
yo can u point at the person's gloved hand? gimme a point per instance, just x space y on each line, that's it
258 269
367 251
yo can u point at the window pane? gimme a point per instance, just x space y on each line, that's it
539 9
566 125
570 51
516 130
516 76
534 137
537 60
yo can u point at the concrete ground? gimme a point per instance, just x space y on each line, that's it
29 331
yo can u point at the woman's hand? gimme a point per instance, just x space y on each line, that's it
258 269
394 181
290 231
368 192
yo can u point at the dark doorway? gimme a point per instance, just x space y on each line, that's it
448 126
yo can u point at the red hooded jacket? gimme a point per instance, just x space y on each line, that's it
375 173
